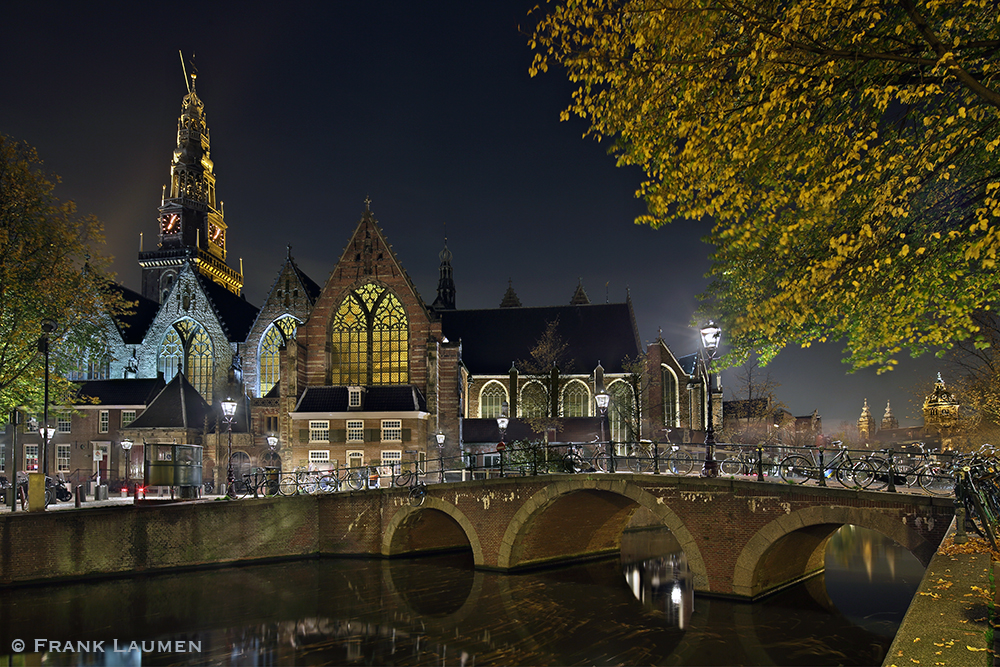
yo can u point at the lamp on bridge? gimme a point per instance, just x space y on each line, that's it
440 440
48 326
127 449
229 413
502 422
711 334
603 400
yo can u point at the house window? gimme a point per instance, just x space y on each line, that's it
319 431
319 456
491 460
354 397
622 414
392 430
128 416
31 458
62 458
271 423
355 431
392 459
355 458
64 424
534 401
105 420
491 399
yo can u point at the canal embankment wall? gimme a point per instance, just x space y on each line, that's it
948 620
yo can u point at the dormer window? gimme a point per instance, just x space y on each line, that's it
354 398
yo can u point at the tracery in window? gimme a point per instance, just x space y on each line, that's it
370 339
277 335
491 399
534 401
576 400
621 412
188 341
670 397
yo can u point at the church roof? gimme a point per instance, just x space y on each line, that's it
134 324
389 398
178 405
571 429
236 314
493 338
119 392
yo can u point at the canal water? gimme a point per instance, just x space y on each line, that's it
638 609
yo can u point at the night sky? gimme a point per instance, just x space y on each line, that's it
426 108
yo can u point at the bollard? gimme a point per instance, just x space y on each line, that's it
892 474
822 469
135 492
79 493
960 536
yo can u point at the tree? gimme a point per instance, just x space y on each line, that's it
547 361
845 150
49 269
755 411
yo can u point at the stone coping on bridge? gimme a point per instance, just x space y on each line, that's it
947 621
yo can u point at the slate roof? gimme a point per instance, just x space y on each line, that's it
236 314
572 429
400 398
178 405
312 289
688 363
494 338
119 392
133 325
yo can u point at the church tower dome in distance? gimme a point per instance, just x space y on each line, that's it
191 223
866 424
940 410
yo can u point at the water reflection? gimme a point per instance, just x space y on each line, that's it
439 610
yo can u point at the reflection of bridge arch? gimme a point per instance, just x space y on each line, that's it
598 512
793 546
446 620
435 525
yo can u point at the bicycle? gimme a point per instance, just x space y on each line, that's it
678 462
640 456
798 468
745 463
574 461
410 476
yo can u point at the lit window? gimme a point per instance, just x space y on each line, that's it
105 421
62 458
319 431
621 414
370 339
491 400
671 406
64 424
392 459
188 341
392 430
355 431
354 397
319 456
31 458
128 416
576 400
491 460
534 401
276 337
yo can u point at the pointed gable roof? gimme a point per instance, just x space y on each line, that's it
138 391
308 285
178 405
235 314
133 325
510 299
580 297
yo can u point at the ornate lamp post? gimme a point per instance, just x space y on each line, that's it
48 326
502 422
272 442
711 334
229 412
126 453
603 400
440 440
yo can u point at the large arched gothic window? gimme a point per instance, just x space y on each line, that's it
369 339
621 412
188 342
89 364
576 400
276 336
491 400
534 401
671 405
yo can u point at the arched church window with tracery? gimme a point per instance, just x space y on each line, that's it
370 339
671 405
576 400
188 342
491 400
84 364
277 336
534 401
621 412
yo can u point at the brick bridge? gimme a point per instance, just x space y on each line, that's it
742 538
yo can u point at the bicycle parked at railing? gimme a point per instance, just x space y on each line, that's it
409 476
744 462
799 468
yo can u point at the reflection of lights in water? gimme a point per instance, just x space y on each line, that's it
866 555
665 584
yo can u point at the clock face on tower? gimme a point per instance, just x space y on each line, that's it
217 235
170 223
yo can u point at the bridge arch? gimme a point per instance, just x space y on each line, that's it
602 508
794 546
436 520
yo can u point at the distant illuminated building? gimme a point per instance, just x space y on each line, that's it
866 424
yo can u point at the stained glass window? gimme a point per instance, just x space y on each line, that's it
621 412
533 401
273 339
670 403
491 399
576 400
370 339
188 341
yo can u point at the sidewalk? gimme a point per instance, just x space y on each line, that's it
948 619
114 500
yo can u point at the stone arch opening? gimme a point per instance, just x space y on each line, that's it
434 527
793 547
599 511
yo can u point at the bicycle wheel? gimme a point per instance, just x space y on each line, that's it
796 469
863 473
356 480
637 463
402 479
880 480
732 466
601 462
936 481
417 494
572 463
287 486
327 484
679 463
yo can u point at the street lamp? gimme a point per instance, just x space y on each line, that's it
502 422
48 326
603 400
440 440
711 334
127 447
229 412
272 442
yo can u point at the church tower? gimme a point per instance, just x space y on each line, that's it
889 420
866 424
191 228
446 282
940 409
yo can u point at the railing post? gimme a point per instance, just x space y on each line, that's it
656 457
760 463
822 468
892 473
